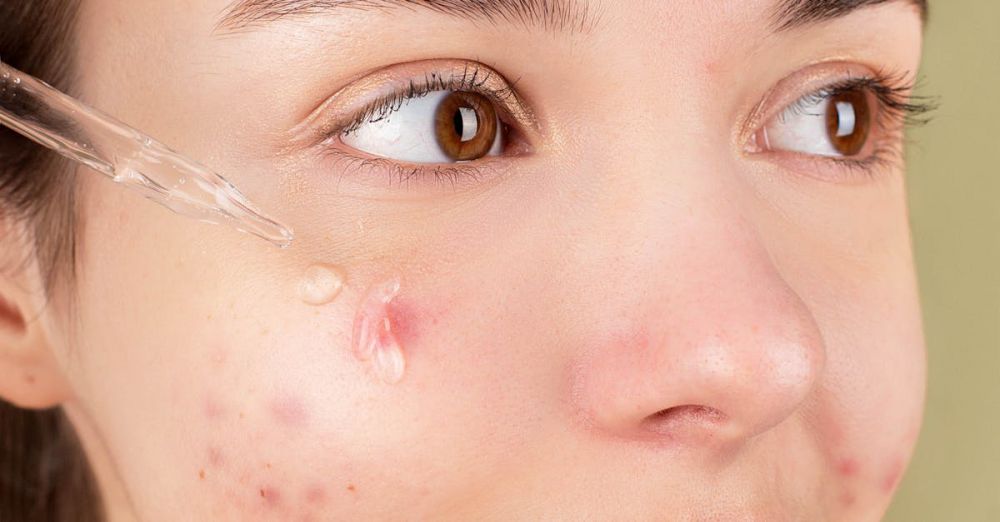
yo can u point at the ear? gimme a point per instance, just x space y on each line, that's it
30 374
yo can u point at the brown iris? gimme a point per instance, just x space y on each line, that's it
849 121
466 126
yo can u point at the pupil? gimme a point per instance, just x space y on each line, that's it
459 124
848 122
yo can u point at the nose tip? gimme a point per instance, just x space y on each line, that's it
701 390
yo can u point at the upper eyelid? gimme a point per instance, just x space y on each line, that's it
338 111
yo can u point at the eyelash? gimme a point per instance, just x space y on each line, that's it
898 110
473 78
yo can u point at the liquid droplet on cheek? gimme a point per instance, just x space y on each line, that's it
373 338
321 285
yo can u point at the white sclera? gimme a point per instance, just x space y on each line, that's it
802 128
409 134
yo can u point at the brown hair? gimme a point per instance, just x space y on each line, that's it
44 474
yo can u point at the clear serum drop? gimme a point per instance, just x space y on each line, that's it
373 339
321 284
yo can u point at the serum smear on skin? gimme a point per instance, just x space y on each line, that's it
373 338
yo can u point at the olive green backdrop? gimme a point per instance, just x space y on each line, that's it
954 177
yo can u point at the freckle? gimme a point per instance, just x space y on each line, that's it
267 465
242 415
848 467
351 488
201 474
289 411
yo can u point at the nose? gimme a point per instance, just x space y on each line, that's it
708 344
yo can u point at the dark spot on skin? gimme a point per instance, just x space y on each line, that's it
289 411
201 474
270 495
267 465
351 488
30 379
848 467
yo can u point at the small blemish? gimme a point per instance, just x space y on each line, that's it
270 495
213 409
315 495
848 467
289 411
215 456
351 488
201 474
30 379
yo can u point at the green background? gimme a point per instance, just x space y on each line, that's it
954 182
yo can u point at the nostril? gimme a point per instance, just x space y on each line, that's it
671 421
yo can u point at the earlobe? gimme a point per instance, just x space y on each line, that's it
30 374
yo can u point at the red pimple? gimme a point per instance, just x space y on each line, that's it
404 318
848 467
289 411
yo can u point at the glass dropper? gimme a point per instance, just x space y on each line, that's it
127 156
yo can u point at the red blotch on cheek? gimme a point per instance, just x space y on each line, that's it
409 320
848 467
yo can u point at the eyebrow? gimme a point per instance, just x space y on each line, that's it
791 14
561 15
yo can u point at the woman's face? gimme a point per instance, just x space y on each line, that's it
678 285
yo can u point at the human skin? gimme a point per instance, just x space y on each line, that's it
637 319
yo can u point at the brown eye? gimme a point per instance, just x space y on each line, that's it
466 126
849 121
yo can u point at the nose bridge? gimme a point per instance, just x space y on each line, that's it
700 320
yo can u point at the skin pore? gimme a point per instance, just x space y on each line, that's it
641 309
